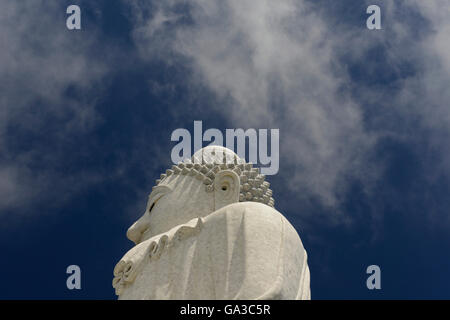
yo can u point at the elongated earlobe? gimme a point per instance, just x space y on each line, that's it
226 188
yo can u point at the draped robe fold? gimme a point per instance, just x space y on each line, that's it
245 250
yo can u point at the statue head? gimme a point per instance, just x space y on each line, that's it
213 178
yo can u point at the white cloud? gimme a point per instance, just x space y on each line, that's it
280 63
275 60
39 61
273 64
422 98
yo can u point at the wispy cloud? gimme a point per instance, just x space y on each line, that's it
334 88
275 61
49 82
290 65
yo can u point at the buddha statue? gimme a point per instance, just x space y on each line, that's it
210 231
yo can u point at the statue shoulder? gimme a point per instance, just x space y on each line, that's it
253 246
258 217
257 212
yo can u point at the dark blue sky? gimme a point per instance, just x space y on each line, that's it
86 118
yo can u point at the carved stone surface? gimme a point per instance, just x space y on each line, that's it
210 231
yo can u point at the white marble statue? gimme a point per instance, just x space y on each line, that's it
210 231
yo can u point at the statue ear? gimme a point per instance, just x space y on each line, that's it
226 188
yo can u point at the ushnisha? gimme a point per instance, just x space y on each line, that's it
210 231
